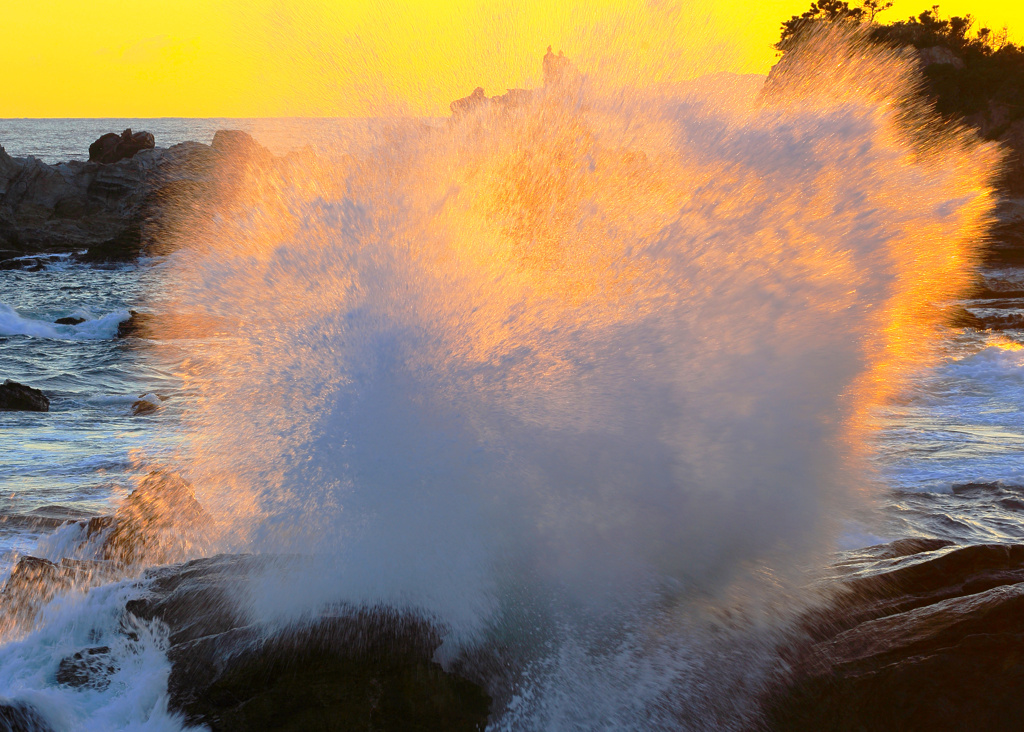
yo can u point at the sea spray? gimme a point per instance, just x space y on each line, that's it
583 378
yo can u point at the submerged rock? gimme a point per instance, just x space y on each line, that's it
147 404
936 641
69 321
18 397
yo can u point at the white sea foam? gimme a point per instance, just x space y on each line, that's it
136 698
94 328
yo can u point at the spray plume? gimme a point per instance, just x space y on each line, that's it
582 376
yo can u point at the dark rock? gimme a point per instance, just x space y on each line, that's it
137 325
18 397
125 247
198 598
69 321
934 641
19 716
1013 141
90 668
367 668
111 147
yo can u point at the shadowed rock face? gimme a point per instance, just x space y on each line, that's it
18 397
933 642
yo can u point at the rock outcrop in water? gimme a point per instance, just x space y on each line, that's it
113 210
160 521
933 641
18 397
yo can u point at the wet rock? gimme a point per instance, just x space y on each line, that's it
143 407
35 581
18 397
355 668
111 147
89 668
44 518
19 716
137 325
69 321
159 522
934 641
370 670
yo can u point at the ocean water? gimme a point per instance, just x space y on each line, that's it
489 387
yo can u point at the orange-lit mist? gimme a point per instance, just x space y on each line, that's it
192 58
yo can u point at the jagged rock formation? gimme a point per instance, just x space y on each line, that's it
114 210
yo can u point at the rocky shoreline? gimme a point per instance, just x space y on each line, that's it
110 212
344 668
920 634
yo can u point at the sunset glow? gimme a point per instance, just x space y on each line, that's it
190 58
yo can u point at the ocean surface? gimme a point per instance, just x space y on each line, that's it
948 452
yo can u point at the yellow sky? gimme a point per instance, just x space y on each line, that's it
250 58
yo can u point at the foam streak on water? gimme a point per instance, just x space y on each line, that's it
577 377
